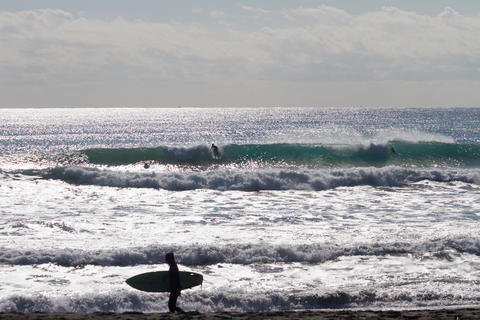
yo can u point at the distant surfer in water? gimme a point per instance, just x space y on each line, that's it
214 149
175 287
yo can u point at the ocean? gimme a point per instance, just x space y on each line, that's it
305 208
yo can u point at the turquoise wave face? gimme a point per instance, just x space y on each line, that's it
424 154
199 155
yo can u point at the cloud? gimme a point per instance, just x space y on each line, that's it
303 44
218 14
256 11
323 14
386 44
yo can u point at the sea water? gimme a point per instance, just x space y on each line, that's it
305 208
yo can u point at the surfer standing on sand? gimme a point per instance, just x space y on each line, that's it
175 287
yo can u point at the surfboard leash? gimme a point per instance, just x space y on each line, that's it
201 298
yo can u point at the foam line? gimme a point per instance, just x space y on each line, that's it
239 253
125 299
257 180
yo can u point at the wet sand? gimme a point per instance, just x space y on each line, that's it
453 314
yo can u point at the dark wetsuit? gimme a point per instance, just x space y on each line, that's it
175 288
214 148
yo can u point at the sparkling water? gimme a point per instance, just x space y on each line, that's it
304 208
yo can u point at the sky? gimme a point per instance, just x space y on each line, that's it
219 53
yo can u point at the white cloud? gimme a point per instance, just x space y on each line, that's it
59 43
321 44
256 11
218 14
323 14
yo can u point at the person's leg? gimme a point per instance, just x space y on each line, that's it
172 302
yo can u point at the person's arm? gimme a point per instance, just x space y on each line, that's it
175 279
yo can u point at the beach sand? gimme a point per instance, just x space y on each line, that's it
464 313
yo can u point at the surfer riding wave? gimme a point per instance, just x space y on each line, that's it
215 152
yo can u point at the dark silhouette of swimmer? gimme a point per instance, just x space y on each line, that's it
175 287
393 150
214 149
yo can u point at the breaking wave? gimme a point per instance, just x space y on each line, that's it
129 301
256 180
244 254
391 153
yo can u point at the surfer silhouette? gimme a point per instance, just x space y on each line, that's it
214 149
175 288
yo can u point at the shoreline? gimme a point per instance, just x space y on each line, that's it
446 313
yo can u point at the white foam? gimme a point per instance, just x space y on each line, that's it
245 254
343 283
391 237
263 179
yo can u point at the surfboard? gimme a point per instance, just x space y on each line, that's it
158 281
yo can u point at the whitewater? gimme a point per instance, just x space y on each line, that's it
306 208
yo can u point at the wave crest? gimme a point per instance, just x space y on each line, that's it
123 300
245 254
256 180
316 155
